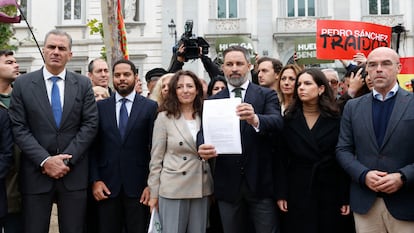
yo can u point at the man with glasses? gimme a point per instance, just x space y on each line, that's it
333 78
375 149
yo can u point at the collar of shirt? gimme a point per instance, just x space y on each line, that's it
390 94
60 84
129 97
245 85
128 104
47 74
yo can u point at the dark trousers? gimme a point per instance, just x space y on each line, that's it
115 214
71 207
12 223
91 225
249 209
215 225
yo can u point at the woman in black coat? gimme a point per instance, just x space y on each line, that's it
313 187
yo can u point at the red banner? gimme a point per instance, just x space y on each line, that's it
122 32
340 39
407 73
407 64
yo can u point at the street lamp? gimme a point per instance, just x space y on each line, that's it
172 31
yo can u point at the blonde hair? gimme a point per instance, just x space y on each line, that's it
102 90
156 93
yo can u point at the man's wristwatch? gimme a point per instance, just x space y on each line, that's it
403 177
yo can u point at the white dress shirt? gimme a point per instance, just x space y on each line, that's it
128 104
60 83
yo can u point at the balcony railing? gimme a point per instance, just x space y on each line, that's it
387 20
228 26
297 24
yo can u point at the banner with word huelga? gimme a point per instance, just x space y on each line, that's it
406 73
305 50
341 39
222 43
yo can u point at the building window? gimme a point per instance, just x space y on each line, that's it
379 7
72 11
227 9
297 8
132 10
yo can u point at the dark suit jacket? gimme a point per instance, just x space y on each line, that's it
123 163
255 164
6 157
358 151
38 137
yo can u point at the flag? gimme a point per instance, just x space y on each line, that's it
4 18
122 32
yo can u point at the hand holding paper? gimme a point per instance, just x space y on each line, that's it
207 151
246 112
221 125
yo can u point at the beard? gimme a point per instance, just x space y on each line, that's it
124 91
237 82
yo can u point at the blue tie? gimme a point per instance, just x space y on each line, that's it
55 99
123 117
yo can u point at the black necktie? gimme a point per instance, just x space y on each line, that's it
123 117
55 101
238 92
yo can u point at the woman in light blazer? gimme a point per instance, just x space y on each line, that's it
179 180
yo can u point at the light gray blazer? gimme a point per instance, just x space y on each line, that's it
176 169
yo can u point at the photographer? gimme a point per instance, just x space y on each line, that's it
178 59
359 84
192 47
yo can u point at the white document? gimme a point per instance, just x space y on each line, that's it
221 125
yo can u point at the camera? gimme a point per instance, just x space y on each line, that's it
364 73
191 43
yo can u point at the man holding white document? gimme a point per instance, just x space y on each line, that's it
244 183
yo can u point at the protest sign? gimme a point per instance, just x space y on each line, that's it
341 39
222 43
305 49
407 73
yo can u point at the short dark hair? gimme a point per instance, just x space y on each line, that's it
277 65
60 33
125 61
239 49
6 52
91 63
156 72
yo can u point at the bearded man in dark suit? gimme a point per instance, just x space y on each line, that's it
121 155
244 183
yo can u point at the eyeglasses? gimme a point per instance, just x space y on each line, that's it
333 81
384 64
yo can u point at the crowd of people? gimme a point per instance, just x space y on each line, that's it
319 153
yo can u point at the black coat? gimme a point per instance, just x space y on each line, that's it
312 182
